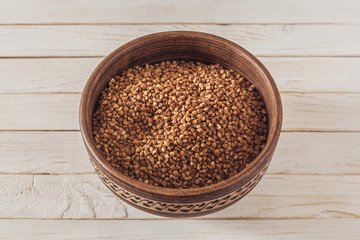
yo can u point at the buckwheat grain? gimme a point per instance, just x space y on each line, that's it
180 124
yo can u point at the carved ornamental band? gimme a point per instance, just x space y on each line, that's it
176 207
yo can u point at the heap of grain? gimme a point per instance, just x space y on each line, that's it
180 124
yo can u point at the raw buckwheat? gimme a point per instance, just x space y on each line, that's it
180 124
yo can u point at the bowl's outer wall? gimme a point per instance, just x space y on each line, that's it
170 209
185 46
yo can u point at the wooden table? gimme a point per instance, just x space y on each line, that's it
48 49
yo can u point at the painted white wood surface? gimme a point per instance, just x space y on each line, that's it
86 197
100 40
48 49
302 111
297 153
329 229
198 11
291 74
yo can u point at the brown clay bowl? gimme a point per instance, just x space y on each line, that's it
186 46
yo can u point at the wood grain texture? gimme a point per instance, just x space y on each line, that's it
58 196
100 40
291 74
44 75
39 111
313 175
161 11
302 111
325 112
43 153
298 153
317 153
331 229
86 197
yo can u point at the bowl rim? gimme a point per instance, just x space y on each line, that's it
254 166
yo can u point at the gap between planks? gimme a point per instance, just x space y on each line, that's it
283 131
286 130
296 92
177 23
93 173
158 218
256 55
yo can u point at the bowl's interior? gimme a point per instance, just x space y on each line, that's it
185 46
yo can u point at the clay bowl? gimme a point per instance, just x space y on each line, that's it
185 46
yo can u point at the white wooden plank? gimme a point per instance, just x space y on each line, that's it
39 111
86 197
328 112
70 74
160 11
315 74
43 153
57 196
330 229
100 40
45 74
302 111
64 153
317 153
